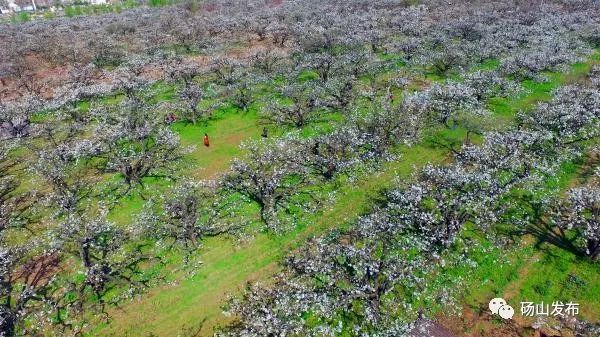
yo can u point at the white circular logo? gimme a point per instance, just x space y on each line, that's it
495 304
506 311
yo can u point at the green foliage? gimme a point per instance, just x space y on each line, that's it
21 17
307 75
71 11
489 64
159 3
49 15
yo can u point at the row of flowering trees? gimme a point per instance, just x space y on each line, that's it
363 281
525 39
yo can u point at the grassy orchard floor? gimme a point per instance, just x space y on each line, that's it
529 271
227 265
536 271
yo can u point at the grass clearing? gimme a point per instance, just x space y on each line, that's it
226 130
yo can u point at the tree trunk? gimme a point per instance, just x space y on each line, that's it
593 249
267 210
7 321
84 254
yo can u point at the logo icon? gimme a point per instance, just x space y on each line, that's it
498 306
506 312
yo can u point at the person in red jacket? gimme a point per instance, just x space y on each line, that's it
206 141
170 118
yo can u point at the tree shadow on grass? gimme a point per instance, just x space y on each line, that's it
544 232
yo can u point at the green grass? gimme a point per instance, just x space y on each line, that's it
227 129
558 275
489 64
535 274
506 108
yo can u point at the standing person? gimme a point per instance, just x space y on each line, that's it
206 141
170 118
265 133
